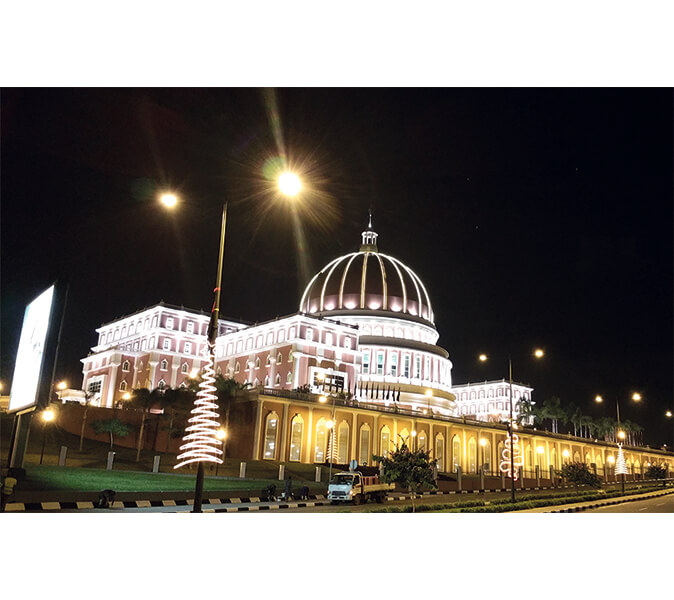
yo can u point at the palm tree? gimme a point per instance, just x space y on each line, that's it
575 416
176 402
143 399
554 411
587 426
227 389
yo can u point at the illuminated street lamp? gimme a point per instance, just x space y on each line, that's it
511 442
201 442
47 417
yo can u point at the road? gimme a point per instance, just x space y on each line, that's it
663 504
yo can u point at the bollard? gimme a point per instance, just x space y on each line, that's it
281 472
155 464
521 471
62 456
503 487
318 473
111 458
458 477
538 475
242 470
552 476
482 478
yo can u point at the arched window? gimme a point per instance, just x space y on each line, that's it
456 452
576 456
277 381
499 456
321 440
486 456
296 428
289 378
164 365
268 361
270 430
440 451
290 356
530 457
553 458
588 460
404 438
185 367
343 442
266 381
385 441
364 454
257 362
161 385
237 367
125 366
258 341
421 441
472 456
122 386
279 358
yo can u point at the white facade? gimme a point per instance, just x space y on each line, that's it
490 400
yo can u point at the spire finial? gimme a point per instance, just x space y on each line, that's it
369 237
369 224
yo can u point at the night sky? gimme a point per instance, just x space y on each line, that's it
535 217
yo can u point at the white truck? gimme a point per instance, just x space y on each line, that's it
352 486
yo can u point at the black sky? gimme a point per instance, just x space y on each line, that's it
533 216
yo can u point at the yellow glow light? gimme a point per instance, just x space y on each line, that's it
193 373
538 353
429 393
413 433
540 449
668 413
320 376
483 357
289 184
611 459
483 442
565 454
322 399
168 200
221 434
48 415
126 396
621 435
636 396
330 424
62 385
598 399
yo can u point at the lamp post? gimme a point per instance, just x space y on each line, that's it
538 353
201 439
47 417
331 440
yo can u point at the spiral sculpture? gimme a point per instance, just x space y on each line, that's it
201 443
506 456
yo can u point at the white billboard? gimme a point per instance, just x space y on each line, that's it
31 353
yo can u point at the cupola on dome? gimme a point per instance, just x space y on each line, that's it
367 280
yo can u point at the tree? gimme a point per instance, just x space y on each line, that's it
575 416
88 398
112 426
176 403
579 473
525 410
553 410
657 472
587 426
143 399
227 389
410 470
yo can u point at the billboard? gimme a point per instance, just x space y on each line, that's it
30 357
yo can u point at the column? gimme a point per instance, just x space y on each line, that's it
256 433
284 435
354 433
309 435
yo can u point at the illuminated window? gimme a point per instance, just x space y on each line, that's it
161 385
125 366
404 437
364 454
417 367
270 430
169 323
116 334
321 440
456 452
258 341
257 362
406 366
380 363
190 326
268 361
440 451
184 368
385 441
328 339
167 344
124 331
122 386
188 347
366 363
486 456
135 346
154 321
237 367
296 438
278 379
291 356
421 441
310 334
394 364
279 358
164 365
266 381
289 378
343 442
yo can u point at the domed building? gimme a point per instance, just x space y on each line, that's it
400 359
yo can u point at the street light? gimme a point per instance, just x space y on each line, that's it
511 442
47 417
201 440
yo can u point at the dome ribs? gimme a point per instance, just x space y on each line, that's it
341 287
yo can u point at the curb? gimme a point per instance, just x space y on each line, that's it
611 502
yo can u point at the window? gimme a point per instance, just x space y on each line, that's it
257 362
321 440
95 386
394 365
421 441
289 378
366 363
258 341
154 321
279 358
122 386
161 385
266 381
456 452
364 454
270 430
125 366
164 365
310 334
124 331
277 381
404 436
291 357
343 443
486 456
167 344
188 347
184 368
440 451
347 342
406 371
328 339
237 367
268 361
190 326
296 438
116 334
169 323
135 346
380 363
385 441
417 367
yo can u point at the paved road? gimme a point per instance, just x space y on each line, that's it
664 504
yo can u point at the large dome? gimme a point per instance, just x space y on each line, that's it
367 281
